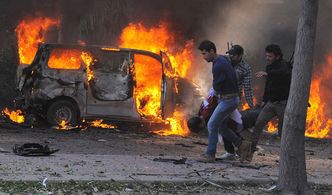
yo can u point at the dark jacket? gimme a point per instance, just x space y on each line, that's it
224 76
278 81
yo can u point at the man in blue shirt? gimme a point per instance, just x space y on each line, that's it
226 89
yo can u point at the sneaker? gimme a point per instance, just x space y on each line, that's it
228 156
207 158
244 150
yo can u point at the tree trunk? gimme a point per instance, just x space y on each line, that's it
292 172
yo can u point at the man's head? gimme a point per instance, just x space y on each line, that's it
272 53
196 124
208 50
235 53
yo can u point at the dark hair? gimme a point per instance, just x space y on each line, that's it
207 45
275 49
235 50
195 124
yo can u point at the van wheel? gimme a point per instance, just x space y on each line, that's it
62 110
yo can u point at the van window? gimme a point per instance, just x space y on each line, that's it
112 80
69 59
111 62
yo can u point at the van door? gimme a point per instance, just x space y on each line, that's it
110 90
168 87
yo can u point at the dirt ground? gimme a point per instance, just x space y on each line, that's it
135 156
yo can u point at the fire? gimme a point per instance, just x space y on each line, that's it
158 39
272 126
245 106
148 85
65 59
63 125
30 33
100 124
70 59
182 61
319 117
177 126
16 116
148 71
87 59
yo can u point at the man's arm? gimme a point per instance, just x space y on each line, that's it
247 84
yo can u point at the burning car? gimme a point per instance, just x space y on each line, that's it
66 83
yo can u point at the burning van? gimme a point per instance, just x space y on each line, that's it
66 83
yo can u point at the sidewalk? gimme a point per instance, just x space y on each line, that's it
66 167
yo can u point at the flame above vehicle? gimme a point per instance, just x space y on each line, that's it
148 79
156 39
31 32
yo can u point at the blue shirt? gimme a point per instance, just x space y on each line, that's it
224 76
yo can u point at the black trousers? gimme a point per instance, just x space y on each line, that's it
228 145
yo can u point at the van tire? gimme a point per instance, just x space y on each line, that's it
62 110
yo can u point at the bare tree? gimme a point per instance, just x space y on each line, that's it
292 173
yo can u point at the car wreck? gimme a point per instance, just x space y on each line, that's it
66 83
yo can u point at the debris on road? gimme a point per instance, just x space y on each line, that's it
33 149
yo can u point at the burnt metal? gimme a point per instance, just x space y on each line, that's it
33 149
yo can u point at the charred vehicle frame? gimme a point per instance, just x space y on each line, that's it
68 95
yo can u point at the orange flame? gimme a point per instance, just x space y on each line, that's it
15 116
70 59
30 33
177 126
148 71
100 124
319 115
272 126
65 59
158 39
63 126
87 59
148 85
245 106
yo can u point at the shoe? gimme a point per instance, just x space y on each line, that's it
228 156
244 150
207 158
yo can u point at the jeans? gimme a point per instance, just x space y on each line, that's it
270 110
218 123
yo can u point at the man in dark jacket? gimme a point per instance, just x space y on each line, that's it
278 78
